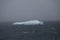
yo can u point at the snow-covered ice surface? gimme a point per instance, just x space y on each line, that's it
33 22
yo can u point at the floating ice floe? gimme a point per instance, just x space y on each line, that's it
33 22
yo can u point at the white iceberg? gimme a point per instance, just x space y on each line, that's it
33 22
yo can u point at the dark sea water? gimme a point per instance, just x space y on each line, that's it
48 31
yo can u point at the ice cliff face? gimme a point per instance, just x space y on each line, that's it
33 22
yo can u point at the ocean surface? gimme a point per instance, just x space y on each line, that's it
48 31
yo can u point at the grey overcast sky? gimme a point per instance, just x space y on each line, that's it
23 10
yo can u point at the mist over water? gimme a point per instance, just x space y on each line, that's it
24 10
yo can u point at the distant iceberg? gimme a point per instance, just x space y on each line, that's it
32 22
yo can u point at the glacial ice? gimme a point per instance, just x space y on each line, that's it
33 22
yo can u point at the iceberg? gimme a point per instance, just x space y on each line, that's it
32 22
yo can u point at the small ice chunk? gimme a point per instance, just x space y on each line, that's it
33 22
25 32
